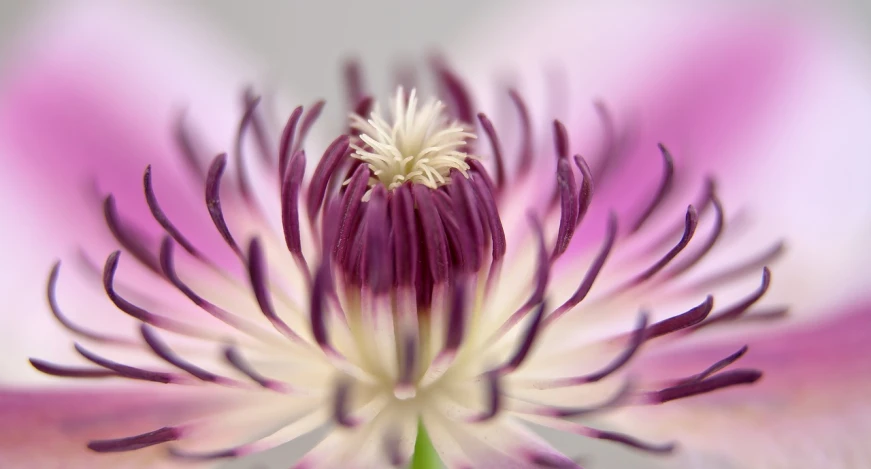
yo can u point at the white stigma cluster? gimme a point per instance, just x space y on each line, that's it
418 145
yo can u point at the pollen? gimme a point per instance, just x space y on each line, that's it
419 144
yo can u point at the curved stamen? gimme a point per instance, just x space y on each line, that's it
261 136
586 195
665 185
328 164
569 206
691 221
719 223
162 350
633 345
62 371
496 146
213 201
663 448
257 274
526 343
526 144
592 272
188 148
741 307
706 385
163 220
742 268
290 196
234 358
494 397
140 313
242 178
167 264
623 394
341 402
286 143
715 367
51 294
560 140
130 443
127 371
542 275
311 116
130 239
453 89
681 321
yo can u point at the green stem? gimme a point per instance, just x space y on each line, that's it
425 455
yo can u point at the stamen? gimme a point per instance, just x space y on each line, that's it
188 149
526 142
131 443
496 147
593 272
287 142
586 195
690 222
569 206
234 358
526 344
140 313
741 307
434 234
341 412
404 236
213 201
308 120
560 140
706 385
257 274
130 239
51 294
715 367
163 220
633 345
167 264
290 210
162 350
709 243
627 440
665 184
455 91
127 371
260 133
681 321
377 273
70 372
494 397
317 187
241 168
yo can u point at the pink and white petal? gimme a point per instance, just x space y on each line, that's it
810 410
89 99
50 429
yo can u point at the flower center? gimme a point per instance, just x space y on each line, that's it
418 144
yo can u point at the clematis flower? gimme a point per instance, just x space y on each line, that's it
422 271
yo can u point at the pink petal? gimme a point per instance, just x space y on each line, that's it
51 429
810 410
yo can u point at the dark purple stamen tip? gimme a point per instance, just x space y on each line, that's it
308 120
569 194
130 443
205 456
560 139
527 342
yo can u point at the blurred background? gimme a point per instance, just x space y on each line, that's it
299 46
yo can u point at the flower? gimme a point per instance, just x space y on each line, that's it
371 330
